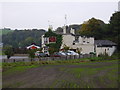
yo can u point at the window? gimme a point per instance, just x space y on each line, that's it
46 40
73 43
76 38
83 41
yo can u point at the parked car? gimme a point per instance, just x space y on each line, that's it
63 53
72 53
40 54
47 53
58 54
94 53
37 53
68 53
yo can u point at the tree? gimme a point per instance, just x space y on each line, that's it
79 50
51 50
31 53
115 28
115 23
92 27
65 47
22 38
8 50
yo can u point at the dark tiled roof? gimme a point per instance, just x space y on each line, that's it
104 43
61 33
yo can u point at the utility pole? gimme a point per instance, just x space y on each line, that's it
64 27
65 19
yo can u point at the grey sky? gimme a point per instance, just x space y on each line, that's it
24 15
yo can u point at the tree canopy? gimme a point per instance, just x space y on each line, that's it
8 50
22 38
92 27
114 27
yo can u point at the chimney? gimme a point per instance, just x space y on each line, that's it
72 31
64 29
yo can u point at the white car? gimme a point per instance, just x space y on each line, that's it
62 53
37 53
72 52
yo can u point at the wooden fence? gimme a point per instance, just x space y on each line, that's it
48 58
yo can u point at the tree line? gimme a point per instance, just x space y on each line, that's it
23 38
93 27
100 30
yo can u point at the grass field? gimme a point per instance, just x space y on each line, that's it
96 74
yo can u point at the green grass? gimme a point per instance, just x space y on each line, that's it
15 85
18 69
107 80
80 73
58 62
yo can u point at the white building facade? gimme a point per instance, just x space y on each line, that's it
104 47
86 45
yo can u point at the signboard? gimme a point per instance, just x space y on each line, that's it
52 39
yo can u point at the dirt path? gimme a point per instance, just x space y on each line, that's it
49 75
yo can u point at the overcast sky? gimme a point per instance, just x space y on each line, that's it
28 15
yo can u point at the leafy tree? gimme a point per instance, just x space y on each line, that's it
93 27
65 47
115 23
22 38
79 50
52 50
115 28
8 50
31 53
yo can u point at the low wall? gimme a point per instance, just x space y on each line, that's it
48 58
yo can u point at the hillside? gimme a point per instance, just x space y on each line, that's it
5 31
23 38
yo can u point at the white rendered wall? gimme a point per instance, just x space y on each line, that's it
90 40
67 40
86 48
42 40
109 50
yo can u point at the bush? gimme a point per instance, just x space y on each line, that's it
8 50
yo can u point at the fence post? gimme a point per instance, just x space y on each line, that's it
3 60
53 58
66 57
74 57
13 60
